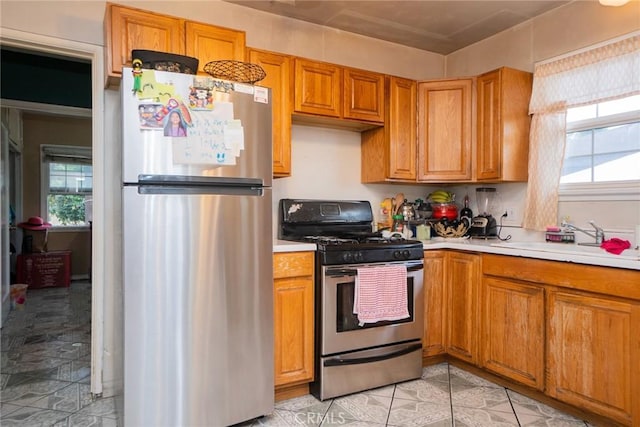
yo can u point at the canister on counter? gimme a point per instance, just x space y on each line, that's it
423 232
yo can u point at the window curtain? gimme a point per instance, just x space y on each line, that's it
600 74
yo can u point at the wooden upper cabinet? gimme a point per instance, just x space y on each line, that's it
503 125
209 43
389 153
594 349
278 79
318 88
513 330
445 135
363 95
127 29
336 96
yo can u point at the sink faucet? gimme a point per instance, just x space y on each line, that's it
599 234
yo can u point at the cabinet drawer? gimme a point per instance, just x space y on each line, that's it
292 264
611 281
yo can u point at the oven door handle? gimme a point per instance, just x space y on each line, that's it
356 361
336 272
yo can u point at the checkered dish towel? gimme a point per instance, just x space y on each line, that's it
381 294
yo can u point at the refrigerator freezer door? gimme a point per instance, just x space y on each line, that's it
198 306
148 151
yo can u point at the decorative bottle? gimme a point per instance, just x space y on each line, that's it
466 212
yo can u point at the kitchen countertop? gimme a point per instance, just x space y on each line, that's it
487 246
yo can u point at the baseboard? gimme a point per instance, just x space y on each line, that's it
289 392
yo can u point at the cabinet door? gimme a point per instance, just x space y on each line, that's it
513 330
318 88
402 127
293 323
594 349
463 278
444 130
363 95
389 153
503 125
433 340
209 43
127 29
278 79
489 153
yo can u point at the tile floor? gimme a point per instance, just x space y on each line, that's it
46 366
46 362
444 396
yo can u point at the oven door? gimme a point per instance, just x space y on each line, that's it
340 329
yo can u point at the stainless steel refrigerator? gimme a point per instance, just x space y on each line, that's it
197 252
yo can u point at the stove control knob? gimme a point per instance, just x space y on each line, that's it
347 257
358 256
401 254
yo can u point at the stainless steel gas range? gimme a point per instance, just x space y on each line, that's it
352 355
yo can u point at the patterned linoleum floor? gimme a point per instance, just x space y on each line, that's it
46 362
445 396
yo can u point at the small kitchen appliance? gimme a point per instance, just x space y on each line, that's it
352 356
484 224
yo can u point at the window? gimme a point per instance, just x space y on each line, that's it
67 185
603 142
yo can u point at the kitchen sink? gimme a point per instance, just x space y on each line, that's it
569 248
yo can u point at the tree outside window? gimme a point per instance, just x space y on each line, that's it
69 185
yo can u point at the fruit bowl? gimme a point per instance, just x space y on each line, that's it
450 231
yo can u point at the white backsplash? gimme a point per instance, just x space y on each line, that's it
326 165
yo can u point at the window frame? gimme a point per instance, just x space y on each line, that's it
61 151
601 191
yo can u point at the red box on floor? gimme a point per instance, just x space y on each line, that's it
44 270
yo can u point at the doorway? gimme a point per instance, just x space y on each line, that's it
94 54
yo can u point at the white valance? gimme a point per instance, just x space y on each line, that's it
604 73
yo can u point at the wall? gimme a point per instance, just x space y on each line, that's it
54 130
577 25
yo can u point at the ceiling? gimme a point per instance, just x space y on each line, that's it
436 26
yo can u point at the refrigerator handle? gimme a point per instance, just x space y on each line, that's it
197 180
184 190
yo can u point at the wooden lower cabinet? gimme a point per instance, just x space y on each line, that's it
463 280
451 282
586 318
293 317
512 342
594 354
433 339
